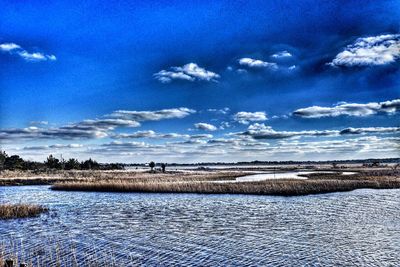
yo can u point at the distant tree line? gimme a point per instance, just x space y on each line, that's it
15 162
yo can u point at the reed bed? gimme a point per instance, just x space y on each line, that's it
283 187
27 178
13 211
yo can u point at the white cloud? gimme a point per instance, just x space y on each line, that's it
55 146
281 54
223 111
94 128
256 63
205 126
7 47
155 115
150 134
262 131
370 130
188 72
375 50
349 109
224 125
15 49
244 117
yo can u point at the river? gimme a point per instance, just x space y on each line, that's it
358 228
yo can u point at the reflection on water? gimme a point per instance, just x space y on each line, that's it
283 175
359 228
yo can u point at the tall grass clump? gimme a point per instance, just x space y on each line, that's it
284 187
13 211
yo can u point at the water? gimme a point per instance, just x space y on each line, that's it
280 175
358 228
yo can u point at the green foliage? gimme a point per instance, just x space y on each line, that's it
3 157
152 165
52 162
90 165
72 164
14 163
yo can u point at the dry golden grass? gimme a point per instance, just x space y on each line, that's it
284 187
28 178
12 211
201 182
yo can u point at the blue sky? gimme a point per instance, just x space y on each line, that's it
187 81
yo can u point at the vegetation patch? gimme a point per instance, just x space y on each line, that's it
283 187
13 211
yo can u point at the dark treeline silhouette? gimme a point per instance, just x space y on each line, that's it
15 162
152 165
287 162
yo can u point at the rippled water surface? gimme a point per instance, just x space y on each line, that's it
359 228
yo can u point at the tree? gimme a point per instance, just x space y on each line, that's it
90 165
152 165
72 164
52 162
163 165
14 163
3 157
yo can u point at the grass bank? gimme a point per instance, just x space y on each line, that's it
13 211
287 187
16 178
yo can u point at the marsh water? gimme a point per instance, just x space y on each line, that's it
358 228
300 175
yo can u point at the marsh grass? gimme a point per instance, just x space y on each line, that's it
14 178
13 211
283 187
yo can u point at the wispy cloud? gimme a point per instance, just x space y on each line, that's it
223 111
256 63
244 117
149 134
262 131
375 50
94 128
282 54
15 49
155 115
349 109
189 72
55 146
205 126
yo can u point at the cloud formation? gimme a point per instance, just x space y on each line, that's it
55 146
349 109
375 50
189 72
244 117
256 63
94 128
150 134
15 49
281 54
262 131
156 115
205 126
222 111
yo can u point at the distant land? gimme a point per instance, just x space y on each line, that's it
288 162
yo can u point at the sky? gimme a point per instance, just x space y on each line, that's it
200 81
